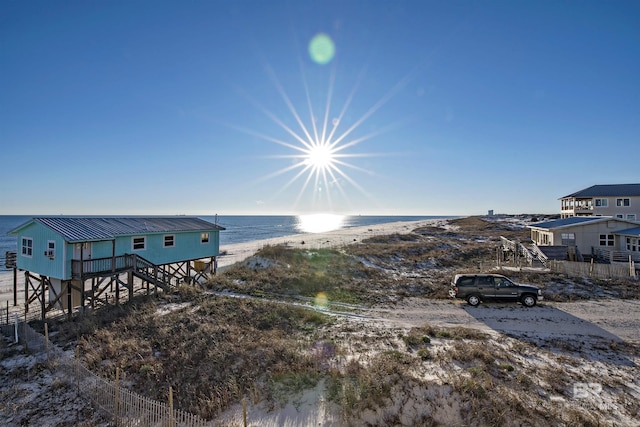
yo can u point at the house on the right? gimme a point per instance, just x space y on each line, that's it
603 238
600 223
620 201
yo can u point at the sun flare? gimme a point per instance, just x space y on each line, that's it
320 157
321 144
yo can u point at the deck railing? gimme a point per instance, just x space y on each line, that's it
10 259
100 266
520 250
609 255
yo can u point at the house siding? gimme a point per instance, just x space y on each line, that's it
187 246
38 261
612 209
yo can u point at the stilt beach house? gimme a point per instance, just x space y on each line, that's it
72 262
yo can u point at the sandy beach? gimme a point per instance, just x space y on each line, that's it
346 236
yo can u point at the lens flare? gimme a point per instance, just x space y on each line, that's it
321 49
321 301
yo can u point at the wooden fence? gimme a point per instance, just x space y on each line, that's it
597 271
124 406
129 408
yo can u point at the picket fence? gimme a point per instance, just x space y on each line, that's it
126 408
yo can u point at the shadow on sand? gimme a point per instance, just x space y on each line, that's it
554 330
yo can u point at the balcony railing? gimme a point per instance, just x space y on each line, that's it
10 259
100 266
584 209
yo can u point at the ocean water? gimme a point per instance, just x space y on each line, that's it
238 229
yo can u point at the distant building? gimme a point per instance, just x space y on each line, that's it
621 201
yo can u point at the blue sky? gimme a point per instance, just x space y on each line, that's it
193 107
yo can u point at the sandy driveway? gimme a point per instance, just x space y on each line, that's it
609 319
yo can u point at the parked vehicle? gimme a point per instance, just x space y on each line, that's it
492 287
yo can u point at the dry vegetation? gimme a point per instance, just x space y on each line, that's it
211 350
215 348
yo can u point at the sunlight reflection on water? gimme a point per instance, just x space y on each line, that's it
320 223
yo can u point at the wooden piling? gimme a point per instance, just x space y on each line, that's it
15 286
46 338
244 411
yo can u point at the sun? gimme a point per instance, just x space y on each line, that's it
320 157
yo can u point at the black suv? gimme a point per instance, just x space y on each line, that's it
483 287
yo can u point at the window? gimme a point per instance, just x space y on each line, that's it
623 202
27 247
602 203
485 281
169 240
606 240
465 281
51 249
503 283
621 216
568 239
139 243
204 238
633 244
545 239
632 217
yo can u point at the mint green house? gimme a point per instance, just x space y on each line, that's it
62 254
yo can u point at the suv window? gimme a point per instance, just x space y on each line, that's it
486 281
465 281
502 282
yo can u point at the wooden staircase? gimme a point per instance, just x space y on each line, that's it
150 272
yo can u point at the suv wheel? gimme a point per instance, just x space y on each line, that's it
473 300
528 300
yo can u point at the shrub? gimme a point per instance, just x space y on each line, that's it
424 354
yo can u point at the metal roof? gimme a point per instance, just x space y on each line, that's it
82 229
630 231
611 190
565 222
